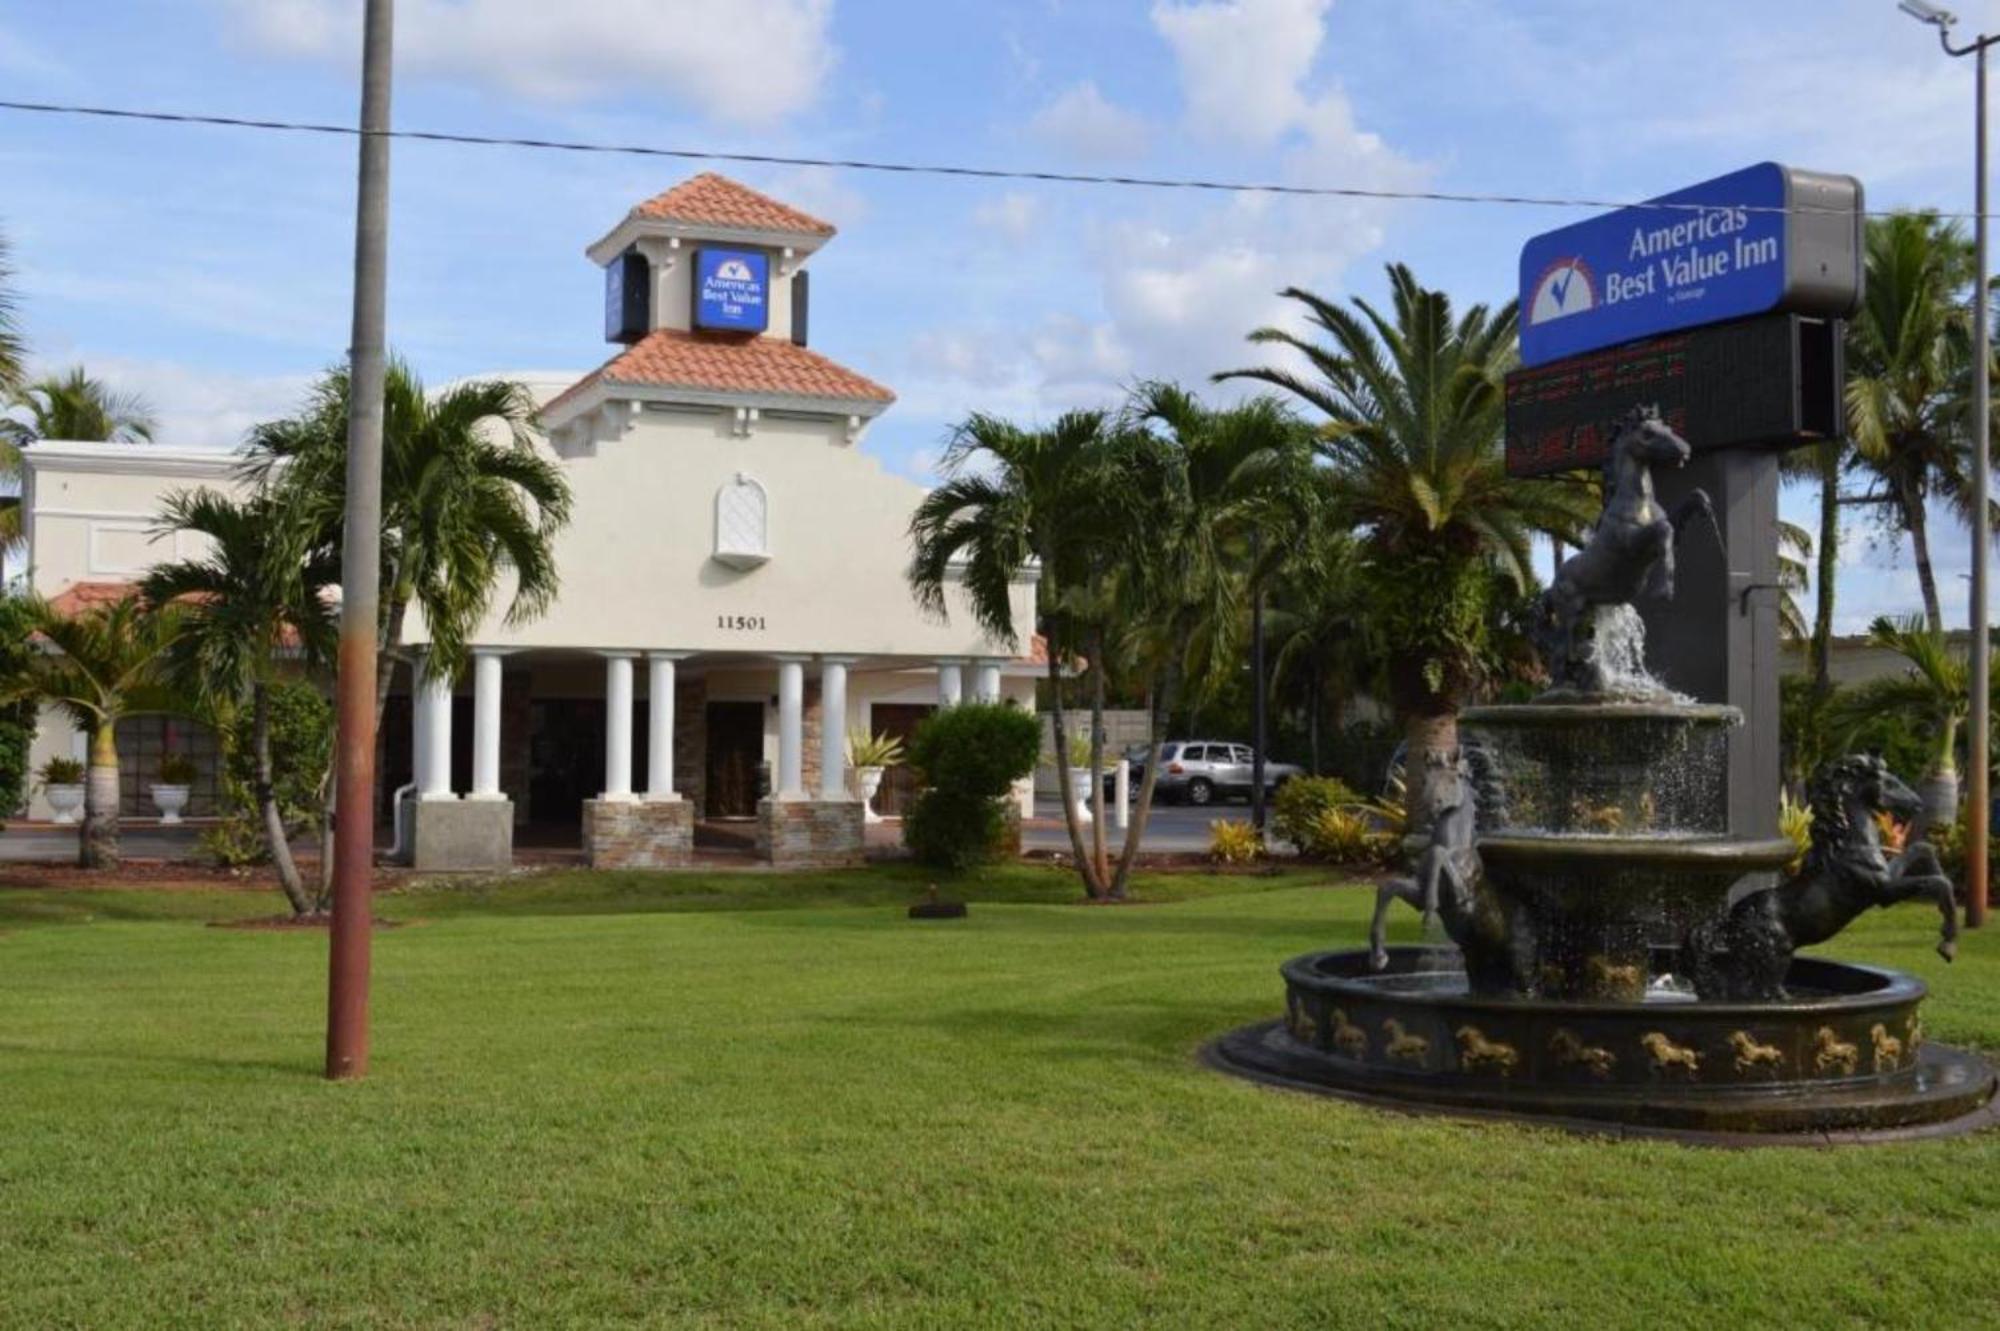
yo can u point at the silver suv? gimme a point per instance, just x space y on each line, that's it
1203 771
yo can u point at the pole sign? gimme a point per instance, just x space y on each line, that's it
732 290
1762 240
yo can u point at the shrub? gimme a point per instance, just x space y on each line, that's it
1234 841
967 759
176 769
62 772
1300 803
1795 822
1347 836
866 750
301 751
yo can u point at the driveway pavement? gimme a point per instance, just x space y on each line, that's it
28 842
1171 828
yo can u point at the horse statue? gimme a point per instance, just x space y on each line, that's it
1447 882
1745 951
1629 553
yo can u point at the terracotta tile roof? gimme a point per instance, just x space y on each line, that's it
81 596
669 358
719 201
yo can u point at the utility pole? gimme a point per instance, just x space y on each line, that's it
1979 799
360 572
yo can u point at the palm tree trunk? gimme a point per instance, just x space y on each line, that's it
97 841
1093 886
266 791
1097 849
1918 523
388 653
1829 566
1135 831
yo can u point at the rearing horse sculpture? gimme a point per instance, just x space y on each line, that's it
1745 951
1629 552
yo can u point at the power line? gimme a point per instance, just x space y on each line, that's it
896 168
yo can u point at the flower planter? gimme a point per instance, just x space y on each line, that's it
170 800
870 781
65 801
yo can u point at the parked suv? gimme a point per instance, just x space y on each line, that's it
1203 771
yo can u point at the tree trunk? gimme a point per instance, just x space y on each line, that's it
1135 831
266 791
1093 886
1425 733
1097 849
1829 566
388 652
1918 523
97 840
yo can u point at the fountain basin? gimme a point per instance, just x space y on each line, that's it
1599 906
1847 1053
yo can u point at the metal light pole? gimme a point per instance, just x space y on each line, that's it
1979 799
360 572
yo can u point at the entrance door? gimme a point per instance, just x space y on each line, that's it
899 783
565 758
735 758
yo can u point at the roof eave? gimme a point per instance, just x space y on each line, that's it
634 227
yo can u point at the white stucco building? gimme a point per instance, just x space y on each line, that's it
733 599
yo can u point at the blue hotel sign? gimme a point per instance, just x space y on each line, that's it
732 290
1764 239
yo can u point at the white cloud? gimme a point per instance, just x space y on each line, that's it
751 61
195 407
1082 124
1014 214
1242 63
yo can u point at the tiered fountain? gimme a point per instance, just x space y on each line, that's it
1618 957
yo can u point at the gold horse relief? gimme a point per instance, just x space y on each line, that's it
1569 1051
1349 1038
1400 1044
1888 1049
1667 1055
1476 1051
1750 1055
1833 1054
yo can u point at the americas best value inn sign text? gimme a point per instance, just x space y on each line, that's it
1762 239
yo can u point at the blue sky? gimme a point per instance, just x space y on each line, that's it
209 268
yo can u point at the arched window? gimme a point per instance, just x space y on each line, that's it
742 523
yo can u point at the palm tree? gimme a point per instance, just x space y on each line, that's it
99 666
466 500
1795 547
1933 697
1907 357
1313 624
12 349
1413 433
1822 462
72 405
257 593
1061 498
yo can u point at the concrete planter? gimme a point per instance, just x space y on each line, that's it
65 802
170 800
869 779
1079 786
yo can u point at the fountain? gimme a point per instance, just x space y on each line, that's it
1607 964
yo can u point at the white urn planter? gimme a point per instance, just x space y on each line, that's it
1079 788
869 779
65 802
170 800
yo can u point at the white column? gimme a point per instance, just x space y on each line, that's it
951 682
486 724
833 726
434 702
986 687
660 724
791 727
617 725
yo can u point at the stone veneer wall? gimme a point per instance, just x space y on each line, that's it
638 834
810 834
810 722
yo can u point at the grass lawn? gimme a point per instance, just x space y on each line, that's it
751 1100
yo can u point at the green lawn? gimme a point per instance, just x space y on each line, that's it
670 1101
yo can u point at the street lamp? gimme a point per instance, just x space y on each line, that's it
1978 805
